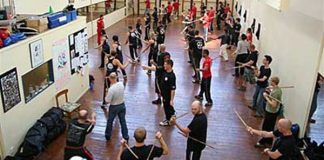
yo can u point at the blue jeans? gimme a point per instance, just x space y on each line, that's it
258 100
119 110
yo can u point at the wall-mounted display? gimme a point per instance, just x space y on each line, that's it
36 53
78 46
9 88
37 80
61 63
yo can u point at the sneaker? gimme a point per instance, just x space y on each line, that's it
165 123
208 104
312 121
158 101
259 145
189 61
200 98
252 108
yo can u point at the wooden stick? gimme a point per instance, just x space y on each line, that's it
148 157
216 57
241 119
234 67
130 150
286 86
275 99
182 115
196 140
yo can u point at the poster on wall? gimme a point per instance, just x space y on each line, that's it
61 63
36 53
78 47
9 88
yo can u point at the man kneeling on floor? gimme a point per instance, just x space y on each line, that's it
142 151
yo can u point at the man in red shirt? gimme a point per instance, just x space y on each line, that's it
194 11
211 15
100 27
147 6
227 9
176 5
169 11
206 79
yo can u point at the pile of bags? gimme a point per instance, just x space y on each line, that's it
314 151
7 38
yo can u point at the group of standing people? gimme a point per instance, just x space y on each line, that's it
266 99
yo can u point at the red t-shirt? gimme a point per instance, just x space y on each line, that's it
249 37
211 13
194 10
208 62
169 8
100 24
148 4
176 5
227 9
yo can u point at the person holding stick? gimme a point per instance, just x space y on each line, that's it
132 43
142 151
249 68
76 135
196 47
117 47
262 75
206 79
284 146
197 130
154 49
272 110
241 55
168 87
117 107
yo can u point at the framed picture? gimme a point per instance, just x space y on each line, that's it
36 53
9 88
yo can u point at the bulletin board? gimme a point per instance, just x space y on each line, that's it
78 48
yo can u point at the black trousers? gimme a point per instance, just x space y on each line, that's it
150 56
168 109
240 58
235 38
155 23
269 123
205 88
121 59
147 32
106 86
133 51
195 154
103 54
169 17
218 23
196 64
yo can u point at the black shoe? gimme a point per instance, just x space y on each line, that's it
235 75
200 98
189 61
312 121
158 101
101 67
209 104
107 138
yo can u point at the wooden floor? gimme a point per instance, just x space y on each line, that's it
225 131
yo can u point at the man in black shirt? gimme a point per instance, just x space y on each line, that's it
196 129
236 34
161 33
262 75
168 87
155 19
132 40
190 35
196 46
249 68
76 135
140 149
284 148
147 25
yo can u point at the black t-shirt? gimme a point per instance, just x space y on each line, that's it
197 44
168 83
254 57
110 67
106 47
190 35
142 153
198 128
286 145
138 28
132 38
155 16
161 30
264 72
237 27
148 21
77 133
160 63
225 39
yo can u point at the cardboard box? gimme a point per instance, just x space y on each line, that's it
41 28
35 22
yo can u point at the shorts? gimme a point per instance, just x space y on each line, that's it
249 76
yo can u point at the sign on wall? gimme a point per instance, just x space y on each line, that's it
78 47
36 53
9 88
61 63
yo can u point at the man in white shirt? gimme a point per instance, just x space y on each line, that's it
117 107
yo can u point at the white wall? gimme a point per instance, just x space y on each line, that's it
15 122
39 6
293 38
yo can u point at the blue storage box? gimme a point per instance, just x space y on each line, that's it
73 14
68 17
57 19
